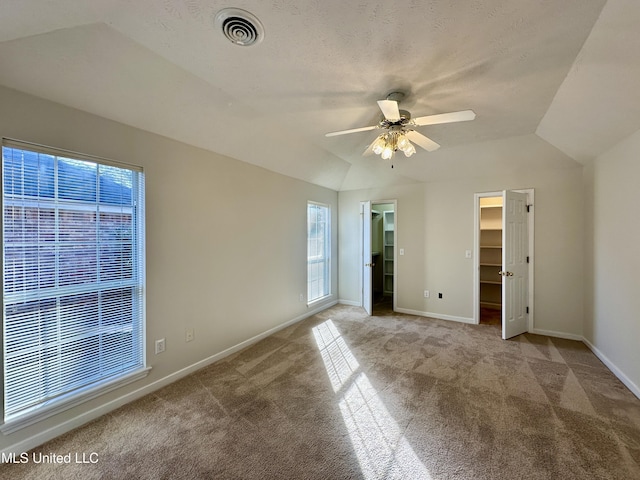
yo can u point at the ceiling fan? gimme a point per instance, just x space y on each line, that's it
400 128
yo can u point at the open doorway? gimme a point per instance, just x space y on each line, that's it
379 274
490 260
503 278
382 256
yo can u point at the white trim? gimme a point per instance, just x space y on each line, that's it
476 257
361 252
530 229
476 248
61 152
70 398
32 417
53 432
327 258
635 389
351 303
395 250
439 316
320 300
314 307
553 333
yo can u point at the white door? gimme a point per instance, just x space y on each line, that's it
367 270
514 264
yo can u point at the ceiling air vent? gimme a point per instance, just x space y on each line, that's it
239 26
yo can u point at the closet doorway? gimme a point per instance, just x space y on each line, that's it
379 235
490 251
503 279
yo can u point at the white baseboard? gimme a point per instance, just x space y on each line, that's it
351 303
553 333
439 316
614 368
53 432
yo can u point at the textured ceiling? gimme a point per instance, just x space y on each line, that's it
161 66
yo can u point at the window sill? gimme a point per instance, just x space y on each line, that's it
59 405
319 301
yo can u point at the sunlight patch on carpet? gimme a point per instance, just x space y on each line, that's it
382 450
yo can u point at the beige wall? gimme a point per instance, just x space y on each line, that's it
220 231
435 226
612 301
226 241
410 206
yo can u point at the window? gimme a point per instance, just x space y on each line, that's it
73 279
318 251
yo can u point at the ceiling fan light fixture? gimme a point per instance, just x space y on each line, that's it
379 145
410 150
403 142
400 126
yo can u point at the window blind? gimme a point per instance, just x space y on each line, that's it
318 251
73 275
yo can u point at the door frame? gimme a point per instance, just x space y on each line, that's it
476 245
395 250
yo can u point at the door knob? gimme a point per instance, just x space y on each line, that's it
505 274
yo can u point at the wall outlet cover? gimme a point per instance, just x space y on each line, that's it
160 346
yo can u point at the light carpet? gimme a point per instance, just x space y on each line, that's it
343 395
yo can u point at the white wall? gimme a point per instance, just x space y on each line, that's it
435 227
612 299
226 241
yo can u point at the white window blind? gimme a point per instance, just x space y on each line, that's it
73 275
318 251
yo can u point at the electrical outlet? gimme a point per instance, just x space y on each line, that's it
439 295
188 335
301 297
426 294
160 346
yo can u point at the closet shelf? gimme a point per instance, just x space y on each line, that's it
388 226
490 255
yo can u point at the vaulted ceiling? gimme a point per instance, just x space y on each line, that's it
552 82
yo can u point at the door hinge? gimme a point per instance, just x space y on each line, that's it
528 208
527 258
527 309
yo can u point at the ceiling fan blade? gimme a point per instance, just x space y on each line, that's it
353 130
390 110
419 139
461 116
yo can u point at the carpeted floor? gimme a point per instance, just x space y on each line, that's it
345 396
